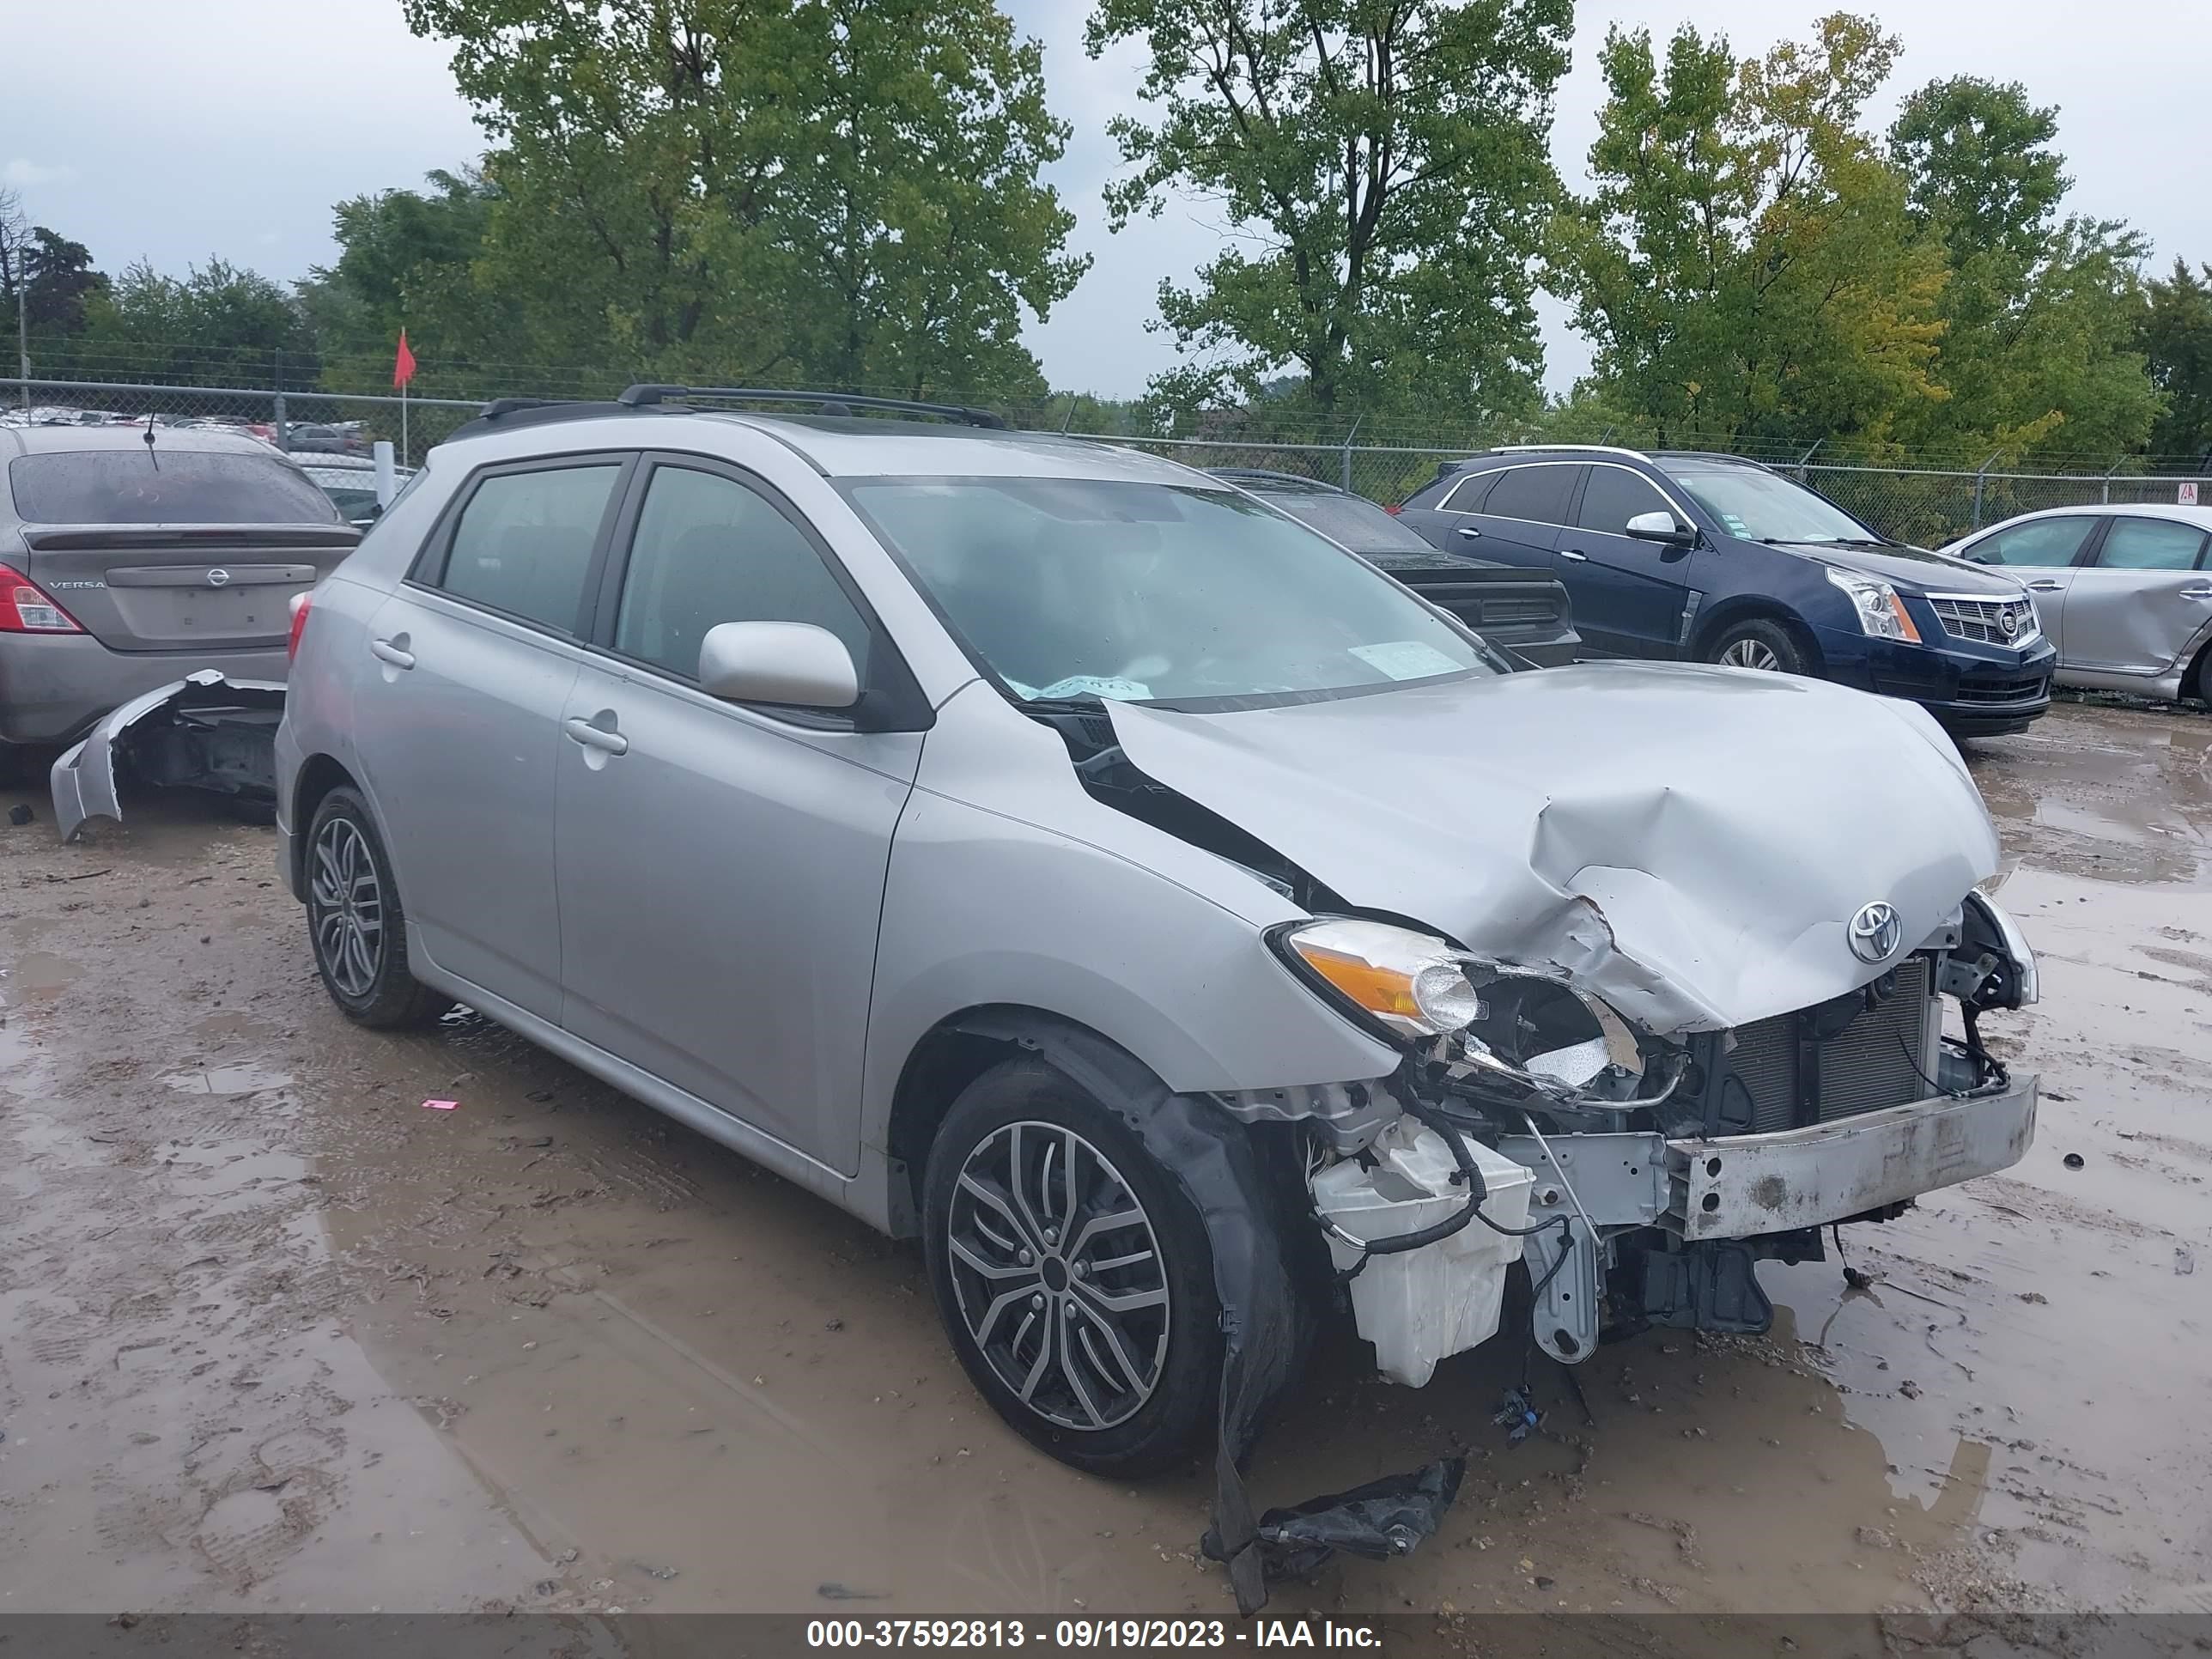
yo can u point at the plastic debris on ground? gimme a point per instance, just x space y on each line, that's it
439 1105
1380 1521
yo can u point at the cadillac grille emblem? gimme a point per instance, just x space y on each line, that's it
1875 932
217 577
2008 622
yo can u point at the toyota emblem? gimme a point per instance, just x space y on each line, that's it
1875 932
217 577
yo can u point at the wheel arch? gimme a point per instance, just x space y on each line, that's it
960 1049
320 774
1754 607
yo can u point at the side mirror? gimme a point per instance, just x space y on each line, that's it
1660 526
793 663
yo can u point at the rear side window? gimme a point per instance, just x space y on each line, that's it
1465 495
524 542
1538 494
2045 543
175 486
2150 544
710 551
1613 496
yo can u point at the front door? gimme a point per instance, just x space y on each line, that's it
2143 595
721 868
1630 596
474 658
2041 553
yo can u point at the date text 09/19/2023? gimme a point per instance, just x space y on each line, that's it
1083 1634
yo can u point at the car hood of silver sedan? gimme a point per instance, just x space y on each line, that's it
1688 843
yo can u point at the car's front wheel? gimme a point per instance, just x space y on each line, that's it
1758 643
355 924
1072 1272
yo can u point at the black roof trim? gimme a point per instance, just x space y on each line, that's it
1267 476
824 402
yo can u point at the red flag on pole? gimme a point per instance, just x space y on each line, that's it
402 367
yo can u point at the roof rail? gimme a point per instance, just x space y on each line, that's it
826 402
499 406
1580 449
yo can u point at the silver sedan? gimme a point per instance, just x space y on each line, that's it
2124 592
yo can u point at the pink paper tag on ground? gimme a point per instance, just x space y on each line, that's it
439 1105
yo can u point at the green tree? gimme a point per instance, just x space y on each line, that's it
218 320
2040 312
1386 167
1747 266
51 275
2176 336
836 192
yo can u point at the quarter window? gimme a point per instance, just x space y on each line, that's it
2044 543
1613 496
524 542
1465 495
1538 494
2150 544
708 550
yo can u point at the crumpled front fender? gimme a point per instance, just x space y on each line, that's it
210 751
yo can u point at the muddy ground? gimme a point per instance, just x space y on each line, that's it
273 1336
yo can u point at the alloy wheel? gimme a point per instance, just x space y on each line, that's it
347 902
1059 1275
1752 654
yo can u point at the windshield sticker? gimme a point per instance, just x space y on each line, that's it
1093 685
1405 660
1736 526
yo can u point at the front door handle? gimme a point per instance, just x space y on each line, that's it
1470 533
596 737
2197 594
385 651
2044 586
1578 556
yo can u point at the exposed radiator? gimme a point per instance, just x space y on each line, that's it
1875 1061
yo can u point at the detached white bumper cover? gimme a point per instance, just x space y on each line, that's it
1742 1185
83 780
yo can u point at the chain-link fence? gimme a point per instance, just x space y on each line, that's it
1929 505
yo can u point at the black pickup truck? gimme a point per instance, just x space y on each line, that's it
1524 614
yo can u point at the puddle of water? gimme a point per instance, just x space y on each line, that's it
37 974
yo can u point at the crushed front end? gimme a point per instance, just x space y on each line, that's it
1661 1169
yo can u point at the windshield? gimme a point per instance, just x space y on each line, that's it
1766 506
1084 588
1353 520
174 486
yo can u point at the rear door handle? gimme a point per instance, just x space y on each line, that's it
2045 587
385 651
2196 593
1470 533
1578 556
596 737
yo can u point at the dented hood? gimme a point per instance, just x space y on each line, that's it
1688 842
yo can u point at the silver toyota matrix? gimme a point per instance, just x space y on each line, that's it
1192 935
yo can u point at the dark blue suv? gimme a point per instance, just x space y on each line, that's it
1711 558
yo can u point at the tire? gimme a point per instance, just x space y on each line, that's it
2201 683
356 926
1142 1415
1758 643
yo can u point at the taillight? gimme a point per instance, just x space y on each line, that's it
25 609
1394 508
303 602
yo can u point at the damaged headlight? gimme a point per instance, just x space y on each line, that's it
1535 1030
1543 1030
1412 984
1880 612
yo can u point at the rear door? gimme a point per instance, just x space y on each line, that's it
2042 553
2140 598
1521 515
1629 595
196 552
459 729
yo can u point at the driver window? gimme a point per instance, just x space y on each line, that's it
2042 543
1613 496
710 551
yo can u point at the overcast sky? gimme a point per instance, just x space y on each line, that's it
179 129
